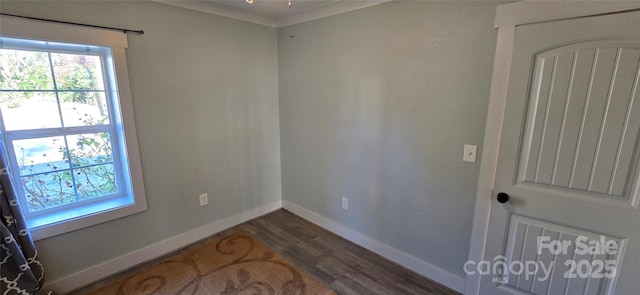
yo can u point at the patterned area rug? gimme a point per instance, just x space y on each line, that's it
235 264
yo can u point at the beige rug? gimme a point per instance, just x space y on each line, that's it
235 264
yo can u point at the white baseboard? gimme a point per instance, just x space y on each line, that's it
426 269
92 274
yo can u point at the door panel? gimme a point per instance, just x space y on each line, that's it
582 114
568 158
522 245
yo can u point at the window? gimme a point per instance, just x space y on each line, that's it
65 143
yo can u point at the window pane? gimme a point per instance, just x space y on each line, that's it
90 149
43 191
40 155
24 70
95 181
29 110
84 108
77 72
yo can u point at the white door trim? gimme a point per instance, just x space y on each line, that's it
508 16
491 143
528 12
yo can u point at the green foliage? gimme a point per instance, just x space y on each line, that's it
86 170
88 166
23 70
26 70
75 72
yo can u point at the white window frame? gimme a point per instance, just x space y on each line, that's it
133 199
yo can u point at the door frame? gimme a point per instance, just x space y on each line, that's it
508 17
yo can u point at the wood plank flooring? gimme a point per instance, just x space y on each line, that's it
337 263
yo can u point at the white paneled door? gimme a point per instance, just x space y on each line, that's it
568 162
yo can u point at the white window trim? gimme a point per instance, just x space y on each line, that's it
117 41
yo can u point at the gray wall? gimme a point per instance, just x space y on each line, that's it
376 105
205 96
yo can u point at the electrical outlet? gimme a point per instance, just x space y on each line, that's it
204 199
345 203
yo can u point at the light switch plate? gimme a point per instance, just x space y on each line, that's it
470 153
204 199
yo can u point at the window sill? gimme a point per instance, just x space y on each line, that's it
49 225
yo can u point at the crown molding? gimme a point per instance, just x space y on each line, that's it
212 8
333 8
330 9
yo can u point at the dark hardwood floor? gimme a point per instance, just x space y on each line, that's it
337 263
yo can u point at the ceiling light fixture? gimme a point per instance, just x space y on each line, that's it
251 2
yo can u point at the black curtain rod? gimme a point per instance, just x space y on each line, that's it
77 24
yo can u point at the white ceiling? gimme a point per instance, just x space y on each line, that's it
273 13
273 8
